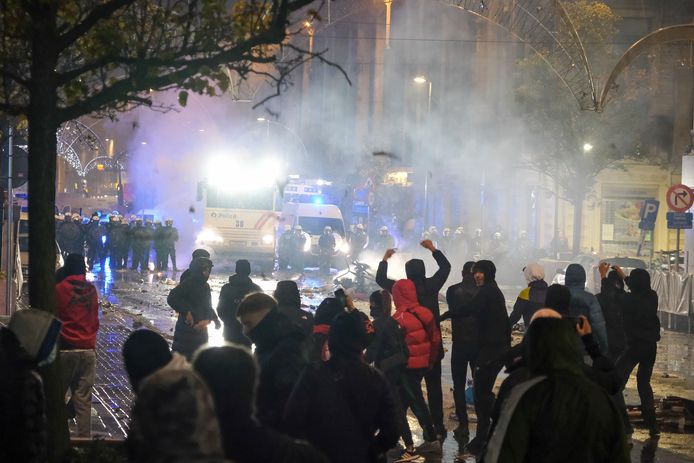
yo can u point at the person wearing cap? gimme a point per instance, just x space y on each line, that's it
77 306
231 295
193 302
326 245
284 248
27 343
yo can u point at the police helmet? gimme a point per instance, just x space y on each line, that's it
169 221
95 218
383 229
298 228
360 226
287 227
328 229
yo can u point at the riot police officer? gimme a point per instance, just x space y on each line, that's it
299 239
358 241
139 237
158 242
95 233
284 248
326 246
170 238
384 241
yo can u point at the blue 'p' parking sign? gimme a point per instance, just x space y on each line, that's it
649 212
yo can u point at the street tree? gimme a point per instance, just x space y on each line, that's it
573 146
60 60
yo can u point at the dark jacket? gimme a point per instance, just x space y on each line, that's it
344 408
247 441
584 303
289 303
529 301
23 418
464 324
427 288
230 297
539 427
281 354
388 349
611 299
191 295
640 310
328 309
489 306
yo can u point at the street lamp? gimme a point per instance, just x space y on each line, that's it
293 133
421 80
587 147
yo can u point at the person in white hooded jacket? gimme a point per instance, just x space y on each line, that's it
532 298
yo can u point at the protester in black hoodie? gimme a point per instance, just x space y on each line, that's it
389 353
465 346
489 306
642 330
343 406
428 296
289 303
192 300
280 350
611 299
231 375
231 295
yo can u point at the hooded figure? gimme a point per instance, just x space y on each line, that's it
192 300
29 341
584 303
231 295
344 397
489 306
428 296
326 312
174 420
231 374
423 340
532 298
145 352
642 330
289 303
611 299
534 424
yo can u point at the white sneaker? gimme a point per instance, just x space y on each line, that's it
407 456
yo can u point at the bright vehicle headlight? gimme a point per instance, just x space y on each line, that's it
209 236
307 245
268 239
344 247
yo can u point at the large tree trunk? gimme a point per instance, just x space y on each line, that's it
42 167
578 226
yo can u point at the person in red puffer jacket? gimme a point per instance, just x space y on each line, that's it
423 340
78 308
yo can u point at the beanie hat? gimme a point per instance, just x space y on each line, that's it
144 352
243 267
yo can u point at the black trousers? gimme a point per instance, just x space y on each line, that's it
461 357
489 364
413 398
396 377
642 355
432 378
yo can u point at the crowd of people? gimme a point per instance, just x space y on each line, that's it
336 385
134 241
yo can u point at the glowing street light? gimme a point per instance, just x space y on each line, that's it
260 119
587 147
420 80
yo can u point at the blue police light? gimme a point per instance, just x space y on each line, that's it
103 239
318 200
